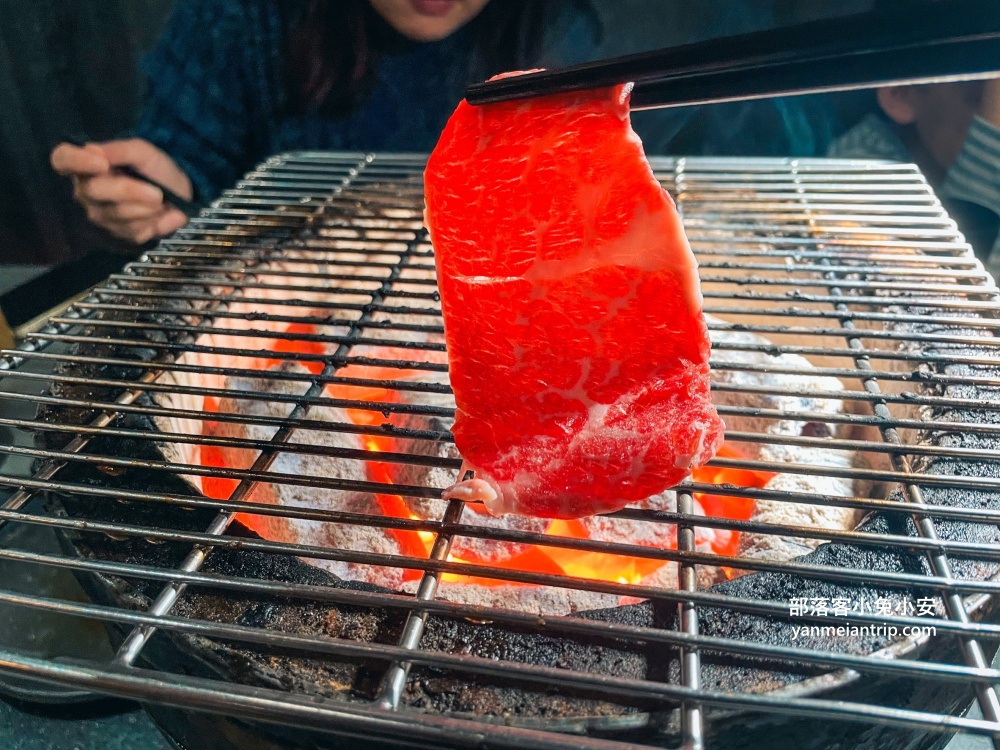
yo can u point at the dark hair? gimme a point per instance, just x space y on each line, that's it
335 46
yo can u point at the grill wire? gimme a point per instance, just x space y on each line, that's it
804 251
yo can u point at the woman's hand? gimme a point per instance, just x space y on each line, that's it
127 208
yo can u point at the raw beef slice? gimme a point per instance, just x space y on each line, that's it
578 350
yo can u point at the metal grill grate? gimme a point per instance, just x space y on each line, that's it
321 259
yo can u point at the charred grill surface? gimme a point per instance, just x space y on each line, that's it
319 260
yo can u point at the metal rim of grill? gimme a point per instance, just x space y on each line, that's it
832 246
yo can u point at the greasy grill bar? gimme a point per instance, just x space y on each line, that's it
314 280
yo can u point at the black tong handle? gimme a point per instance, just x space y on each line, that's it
914 41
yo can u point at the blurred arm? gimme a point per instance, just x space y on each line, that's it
975 175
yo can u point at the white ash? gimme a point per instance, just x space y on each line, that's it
432 509
658 535
329 535
540 600
438 477
301 531
628 531
662 535
667 577
778 547
482 550
313 289
473 549
308 261
391 225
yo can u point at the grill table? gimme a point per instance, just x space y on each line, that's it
860 252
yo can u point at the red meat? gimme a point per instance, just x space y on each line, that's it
572 308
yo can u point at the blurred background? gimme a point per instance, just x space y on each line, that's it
71 66
66 66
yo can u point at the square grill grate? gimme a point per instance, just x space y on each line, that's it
855 358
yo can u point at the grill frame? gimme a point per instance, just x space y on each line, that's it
944 241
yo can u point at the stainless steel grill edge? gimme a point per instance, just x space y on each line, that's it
852 265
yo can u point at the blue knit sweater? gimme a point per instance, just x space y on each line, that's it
218 102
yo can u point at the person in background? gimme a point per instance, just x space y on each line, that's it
232 82
952 132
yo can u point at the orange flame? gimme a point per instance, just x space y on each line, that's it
536 558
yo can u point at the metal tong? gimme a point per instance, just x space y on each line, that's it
916 41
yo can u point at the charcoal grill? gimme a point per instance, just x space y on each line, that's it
853 265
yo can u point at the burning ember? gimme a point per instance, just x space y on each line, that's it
514 557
